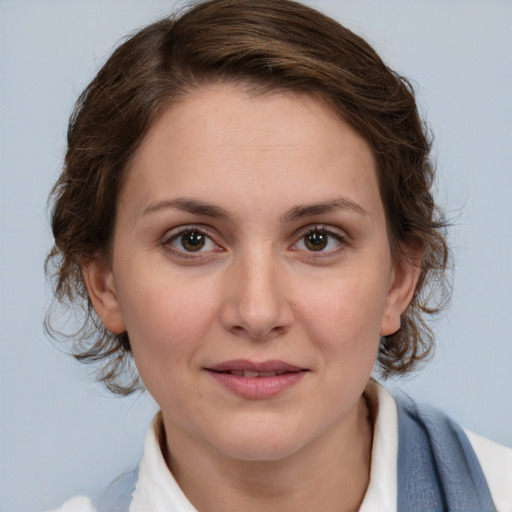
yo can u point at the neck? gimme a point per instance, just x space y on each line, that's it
331 473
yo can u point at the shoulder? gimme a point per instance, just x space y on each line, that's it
116 497
496 462
453 446
76 504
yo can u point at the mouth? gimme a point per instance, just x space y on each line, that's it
257 380
250 374
250 369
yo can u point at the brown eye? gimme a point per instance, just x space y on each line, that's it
193 241
325 241
190 242
316 240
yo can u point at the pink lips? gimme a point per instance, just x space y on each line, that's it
256 380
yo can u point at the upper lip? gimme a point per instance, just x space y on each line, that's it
264 366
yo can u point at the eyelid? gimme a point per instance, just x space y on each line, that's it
327 228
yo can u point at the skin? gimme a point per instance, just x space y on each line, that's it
255 291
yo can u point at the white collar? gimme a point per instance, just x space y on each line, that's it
381 493
158 491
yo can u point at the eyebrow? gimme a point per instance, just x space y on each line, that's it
198 207
309 210
195 206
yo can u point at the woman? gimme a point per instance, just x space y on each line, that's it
246 211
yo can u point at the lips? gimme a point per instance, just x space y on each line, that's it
250 374
242 365
256 380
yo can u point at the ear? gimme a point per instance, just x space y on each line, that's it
99 281
404 279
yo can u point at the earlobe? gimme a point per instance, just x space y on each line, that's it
99 281
401 292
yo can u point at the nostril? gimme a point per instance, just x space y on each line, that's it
258 334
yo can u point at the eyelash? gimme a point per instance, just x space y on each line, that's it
322 230
330 233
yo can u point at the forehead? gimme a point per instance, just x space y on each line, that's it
232 114
225 142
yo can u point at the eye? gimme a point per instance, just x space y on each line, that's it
190 240
320 239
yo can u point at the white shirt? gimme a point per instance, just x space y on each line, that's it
157 490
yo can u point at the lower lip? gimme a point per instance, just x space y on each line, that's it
258 387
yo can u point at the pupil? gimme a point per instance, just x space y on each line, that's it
316 241
193 241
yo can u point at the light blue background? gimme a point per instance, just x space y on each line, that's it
60 434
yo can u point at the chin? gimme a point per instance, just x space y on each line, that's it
263 443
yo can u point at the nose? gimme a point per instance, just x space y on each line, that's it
256 305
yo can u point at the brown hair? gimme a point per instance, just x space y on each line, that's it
266 46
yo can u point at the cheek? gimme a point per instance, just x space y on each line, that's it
345 317
167 317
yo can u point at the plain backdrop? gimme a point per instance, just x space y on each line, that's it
60 433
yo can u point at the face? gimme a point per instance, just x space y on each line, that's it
251 268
